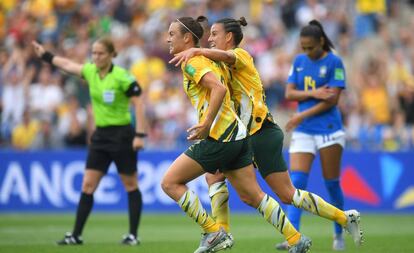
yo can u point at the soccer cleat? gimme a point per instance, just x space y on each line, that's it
338 242
226 244
70 239
210 240
130 239
302 246
282 246
353 226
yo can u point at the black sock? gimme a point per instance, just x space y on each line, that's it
84 209
134 208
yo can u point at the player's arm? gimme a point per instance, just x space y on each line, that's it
320 107
135 94
323 105
217 94
58 61
213 54
322 93
219 55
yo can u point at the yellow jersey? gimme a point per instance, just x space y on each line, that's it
371 6
247 92
226 126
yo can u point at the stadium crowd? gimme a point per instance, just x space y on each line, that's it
43 108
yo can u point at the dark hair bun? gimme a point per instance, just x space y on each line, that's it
201 19
242 21
315 23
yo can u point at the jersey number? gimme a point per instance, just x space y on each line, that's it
309 83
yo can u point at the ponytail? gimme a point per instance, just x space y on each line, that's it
315 30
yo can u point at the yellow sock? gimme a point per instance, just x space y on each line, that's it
219 195
271 211
316 205
191 204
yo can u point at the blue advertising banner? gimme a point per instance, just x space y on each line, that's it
50 181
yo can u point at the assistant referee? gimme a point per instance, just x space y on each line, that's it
111 89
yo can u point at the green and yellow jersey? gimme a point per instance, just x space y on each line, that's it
226 126
110 102
247 92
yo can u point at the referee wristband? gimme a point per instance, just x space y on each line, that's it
140 135
47 57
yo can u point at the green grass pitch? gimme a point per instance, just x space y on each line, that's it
176 233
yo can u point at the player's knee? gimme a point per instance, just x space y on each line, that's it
214 178
250 199
285 198
130 186
88 187
286 193
167 186
246 199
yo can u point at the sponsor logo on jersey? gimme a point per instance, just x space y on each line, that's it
322 71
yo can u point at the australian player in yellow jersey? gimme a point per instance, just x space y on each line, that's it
221 145
265 135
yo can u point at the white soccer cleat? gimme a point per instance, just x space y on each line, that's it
224 245
282 246
353 226
210 240
130 239
302 246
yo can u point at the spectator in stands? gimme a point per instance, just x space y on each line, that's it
112 89
72 124
47 137
46 95
368 16
25 133
16 77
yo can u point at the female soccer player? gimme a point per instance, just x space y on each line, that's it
265 136
316 80
222 146
112 89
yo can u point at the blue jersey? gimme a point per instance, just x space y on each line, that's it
308 74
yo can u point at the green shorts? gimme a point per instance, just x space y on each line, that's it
267 146
213 155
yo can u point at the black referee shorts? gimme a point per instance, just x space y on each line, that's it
113 143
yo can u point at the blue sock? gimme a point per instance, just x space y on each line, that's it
336 197
300 181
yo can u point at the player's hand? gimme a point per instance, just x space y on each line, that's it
38 48
323 93
137 143
198 132
184 56
293 122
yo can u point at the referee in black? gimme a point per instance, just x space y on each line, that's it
112 89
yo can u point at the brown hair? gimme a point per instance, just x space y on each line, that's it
193 26
108 44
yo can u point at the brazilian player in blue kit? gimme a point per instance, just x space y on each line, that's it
316 80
